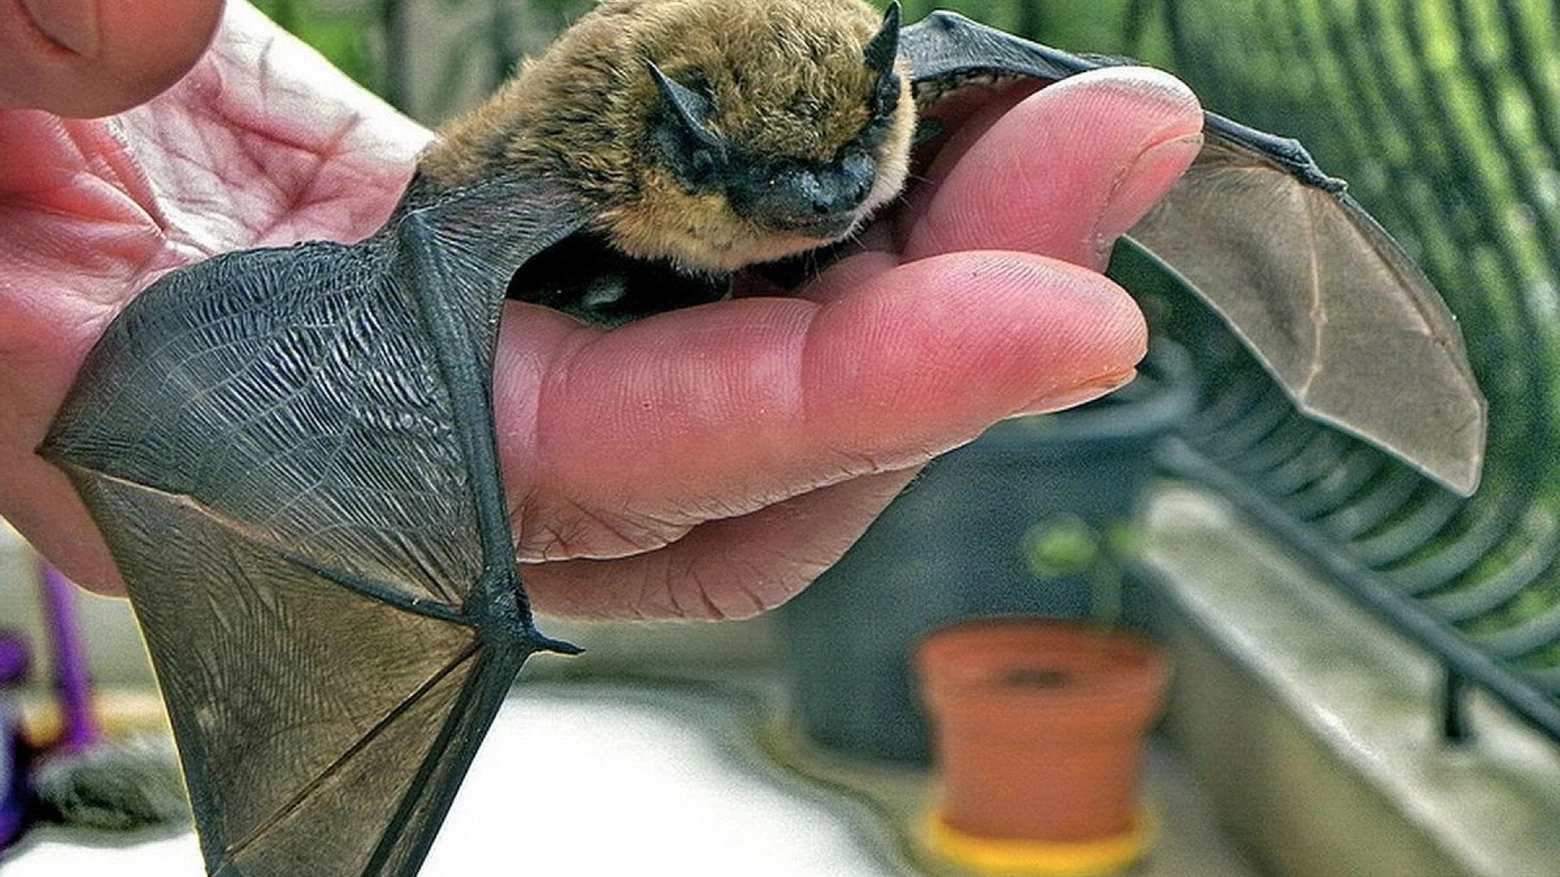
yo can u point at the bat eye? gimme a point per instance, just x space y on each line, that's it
703 165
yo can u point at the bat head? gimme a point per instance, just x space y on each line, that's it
778 139
708 134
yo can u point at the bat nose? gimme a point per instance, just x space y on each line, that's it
821 202
832 193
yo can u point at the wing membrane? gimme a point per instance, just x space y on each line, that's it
290 453
1352 331
300 707
284 388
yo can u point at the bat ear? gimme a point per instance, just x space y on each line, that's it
686 107
884 46
695 154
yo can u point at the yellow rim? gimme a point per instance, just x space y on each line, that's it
1040 857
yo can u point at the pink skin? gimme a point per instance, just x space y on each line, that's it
706 463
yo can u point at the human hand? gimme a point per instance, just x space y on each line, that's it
702 463
261 143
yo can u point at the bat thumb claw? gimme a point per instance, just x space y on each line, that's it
540 643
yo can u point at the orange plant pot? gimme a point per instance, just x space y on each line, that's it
1038 730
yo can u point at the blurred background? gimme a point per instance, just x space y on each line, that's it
1410 699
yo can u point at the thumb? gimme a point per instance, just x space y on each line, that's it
96 57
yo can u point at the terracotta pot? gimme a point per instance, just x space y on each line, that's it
1039 726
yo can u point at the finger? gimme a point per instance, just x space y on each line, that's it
1066 171
726 569
96 57
59 527
963 117
717 411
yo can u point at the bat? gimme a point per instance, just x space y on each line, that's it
291 452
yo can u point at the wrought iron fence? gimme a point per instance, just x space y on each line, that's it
1445 115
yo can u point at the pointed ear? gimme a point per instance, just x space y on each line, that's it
690 109
884 47
881 52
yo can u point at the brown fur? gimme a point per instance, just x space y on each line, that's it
786 78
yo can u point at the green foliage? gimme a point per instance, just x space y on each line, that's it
1068 545
478 43
343 32
426 71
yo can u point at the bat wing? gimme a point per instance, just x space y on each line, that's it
290 453
1325 299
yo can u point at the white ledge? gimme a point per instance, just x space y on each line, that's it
1316 726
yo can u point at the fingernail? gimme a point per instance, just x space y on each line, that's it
71 23
1140 184
1080 394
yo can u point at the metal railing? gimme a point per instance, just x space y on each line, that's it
1445 117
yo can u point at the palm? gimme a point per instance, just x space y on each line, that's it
97 209
707 462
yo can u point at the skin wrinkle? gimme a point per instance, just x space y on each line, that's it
636 537
759 381
178 156
758 587
556 375
1167 144
1108 226
299 181
228 173
75 202
114 157
300 166
125 239
295 183
639 532
774 385
884 349
734 605
683 580
263 63
305 191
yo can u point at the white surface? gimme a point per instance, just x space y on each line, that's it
1491 806
580 787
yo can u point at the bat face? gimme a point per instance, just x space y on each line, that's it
764 150
709 135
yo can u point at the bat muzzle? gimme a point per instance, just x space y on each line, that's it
820 202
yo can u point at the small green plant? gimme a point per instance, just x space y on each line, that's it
1068 545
